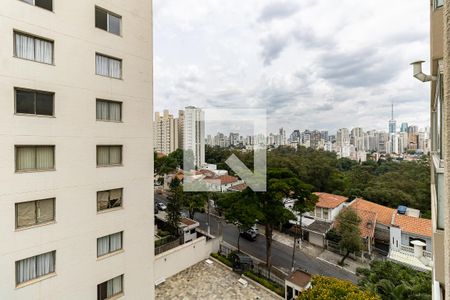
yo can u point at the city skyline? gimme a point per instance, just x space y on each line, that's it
360 78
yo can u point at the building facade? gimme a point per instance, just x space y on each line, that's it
165 132
194 135
75 112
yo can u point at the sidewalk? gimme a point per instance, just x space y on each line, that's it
334 258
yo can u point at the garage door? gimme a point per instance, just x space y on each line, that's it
316 239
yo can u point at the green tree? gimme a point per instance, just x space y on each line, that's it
244 212
175 202
194 202
348 228
393 281
327 288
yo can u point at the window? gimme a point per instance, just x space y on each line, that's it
109 155
108 66
35 212
109 110
35 267
325 213
110 288
34 102
107 21
35 158
109 199
33 48
108 244
438 3
318 212
45 4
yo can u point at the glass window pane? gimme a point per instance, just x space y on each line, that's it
24 46
101 19
47 4
43 51
45 210
25 269
44 104
102 155
115 111
26 158
115 242
45 158
102 200
114 24
26 214
25 102
103 245
45 264
115 68
115 198
101 65
102 110
28 1
115 155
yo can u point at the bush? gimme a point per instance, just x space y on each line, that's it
274 287
222 259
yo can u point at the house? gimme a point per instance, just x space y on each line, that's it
367 227
187 228
328 206
315 232
296 283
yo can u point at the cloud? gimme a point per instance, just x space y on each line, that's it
278 10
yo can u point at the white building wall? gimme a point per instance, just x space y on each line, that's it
75 133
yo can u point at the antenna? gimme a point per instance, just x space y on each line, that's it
392 110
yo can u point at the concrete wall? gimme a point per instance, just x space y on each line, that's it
75 133
184 256
406 236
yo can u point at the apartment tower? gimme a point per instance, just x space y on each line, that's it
75 146
439 158
194 135
165 132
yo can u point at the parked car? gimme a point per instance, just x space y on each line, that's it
250 234
161 206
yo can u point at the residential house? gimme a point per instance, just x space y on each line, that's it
296 283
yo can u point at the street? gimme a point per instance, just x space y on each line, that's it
281 253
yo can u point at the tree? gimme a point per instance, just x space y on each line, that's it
194 202
240 211
348 228
305 201
175 201
327 288
393 281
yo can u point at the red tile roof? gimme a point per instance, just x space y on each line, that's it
226 179
419 226
238 187
300 278
384 214
329 200
368 222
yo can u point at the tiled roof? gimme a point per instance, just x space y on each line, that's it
238 187
299 278
329 200
384 214
319 227
226 179
368 222
419 226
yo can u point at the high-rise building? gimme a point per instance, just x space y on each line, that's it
439 116
295 136
392 122
165 132
404 127
76 139
194 135
357 138
181 129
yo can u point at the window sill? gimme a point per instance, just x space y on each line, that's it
117 296
106 76
109 166
35 226
103 30
34 171
39 62
103 211
109 121
99 258
36 280
33 115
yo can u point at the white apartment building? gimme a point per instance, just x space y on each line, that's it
75 146
165 132
194 134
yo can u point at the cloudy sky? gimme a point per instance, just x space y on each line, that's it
313 64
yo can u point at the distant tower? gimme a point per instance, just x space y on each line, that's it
392 122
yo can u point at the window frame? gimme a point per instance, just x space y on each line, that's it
109 150
37 277
34 4
109 196
34 37
108 13
16 147
36 224
109 244
436 5
109 102
109 57
106 283
35 92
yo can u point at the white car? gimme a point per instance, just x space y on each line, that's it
161 206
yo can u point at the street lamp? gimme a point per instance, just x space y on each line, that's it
417 72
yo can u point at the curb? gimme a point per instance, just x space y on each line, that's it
338 266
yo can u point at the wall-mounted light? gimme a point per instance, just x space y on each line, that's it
417 72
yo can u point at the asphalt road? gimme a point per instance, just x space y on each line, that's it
281 253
